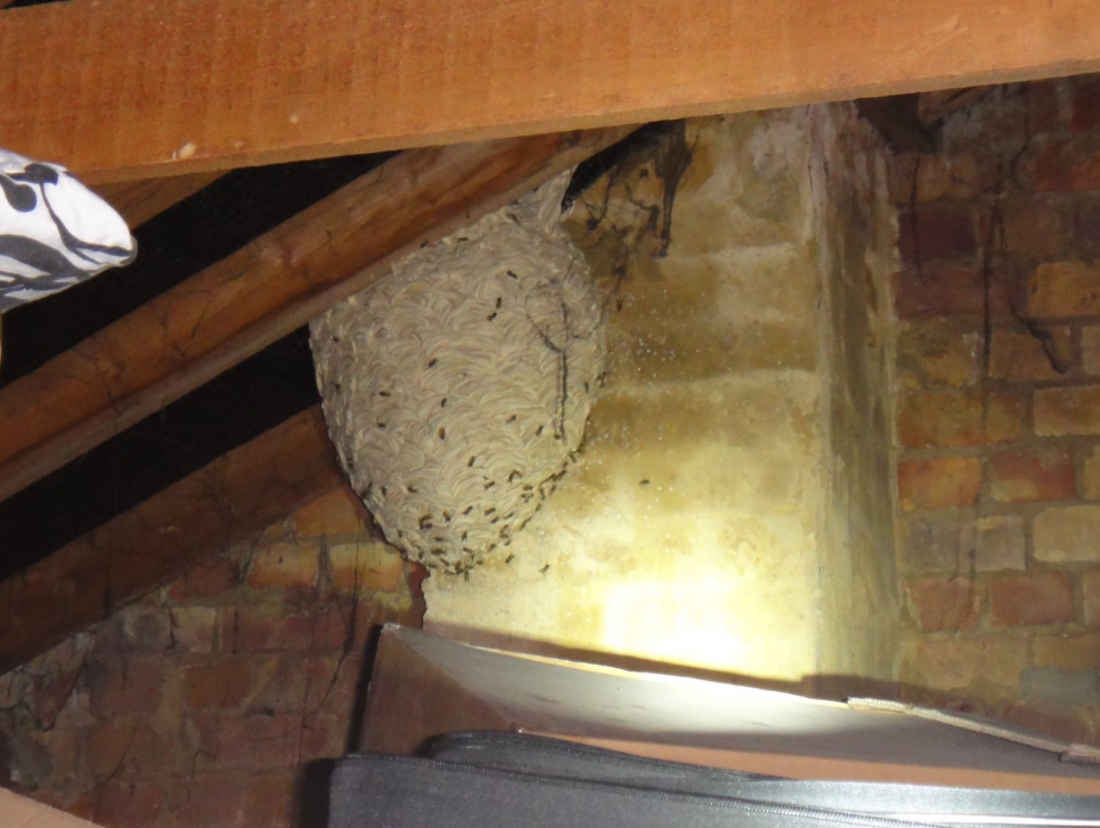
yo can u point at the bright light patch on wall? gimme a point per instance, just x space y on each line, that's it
673 622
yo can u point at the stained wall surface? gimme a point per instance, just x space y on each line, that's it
713 517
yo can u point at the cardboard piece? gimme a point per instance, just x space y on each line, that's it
19 812
423 685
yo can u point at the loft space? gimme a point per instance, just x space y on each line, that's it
845 442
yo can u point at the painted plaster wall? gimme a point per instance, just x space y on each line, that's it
705 522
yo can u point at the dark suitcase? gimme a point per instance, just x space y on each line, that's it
510 780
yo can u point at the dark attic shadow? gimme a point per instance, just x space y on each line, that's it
311 800
359 705
312 796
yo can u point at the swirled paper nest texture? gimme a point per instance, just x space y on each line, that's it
456 389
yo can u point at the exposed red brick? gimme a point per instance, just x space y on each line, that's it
938 604
284 565
931 233
146 629
336 514
125 685
107 743
1033 228
1064 289
1060 689
127 747
1090 349
999 543
955 663
270 802
960 176
221 684
939 483
128 805
1086 228
77 712
366 566
415 576
52 692
1086 104
81 805
1023 475
1090 590
207 800
1067 410
939 351
1067 534
936 543
1031 599
230 740
901 176
324 737
1054 724
338 694
948 419
64 748
279 532
1019 356
936 289
1066 167
252 631
293 683
1069 651
1042 105
193 628
210 578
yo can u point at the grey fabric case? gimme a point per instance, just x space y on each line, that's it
493 780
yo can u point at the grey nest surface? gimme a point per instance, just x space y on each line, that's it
456 389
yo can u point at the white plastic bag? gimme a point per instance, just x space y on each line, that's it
54 231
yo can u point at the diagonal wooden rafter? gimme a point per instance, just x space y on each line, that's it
226 502
190 85
272 286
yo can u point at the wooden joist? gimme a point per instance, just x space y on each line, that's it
226 502
190 85
272 286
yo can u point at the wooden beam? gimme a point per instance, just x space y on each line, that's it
226 502
139 201
189 85
276 284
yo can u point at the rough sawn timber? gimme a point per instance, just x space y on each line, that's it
189 85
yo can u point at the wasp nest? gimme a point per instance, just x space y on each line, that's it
456 389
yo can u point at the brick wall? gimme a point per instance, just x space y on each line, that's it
204 704
998 408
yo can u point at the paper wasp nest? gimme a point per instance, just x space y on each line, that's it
456 389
